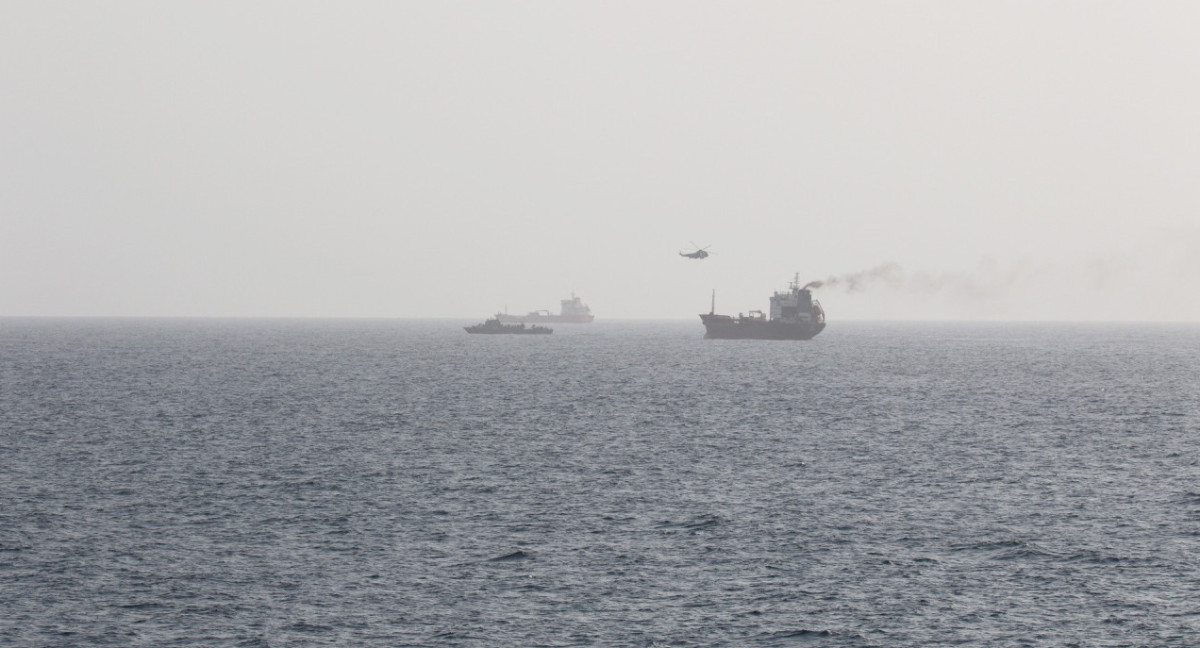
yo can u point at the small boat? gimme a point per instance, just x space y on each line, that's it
494 327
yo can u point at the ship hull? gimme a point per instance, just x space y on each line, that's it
482 330
494 327
724 327
526 332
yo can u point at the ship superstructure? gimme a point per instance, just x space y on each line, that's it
794 315
571 311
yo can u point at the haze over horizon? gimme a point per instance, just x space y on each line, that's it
925 160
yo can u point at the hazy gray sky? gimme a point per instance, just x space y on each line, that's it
1013 160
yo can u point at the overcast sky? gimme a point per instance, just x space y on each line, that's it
1004 160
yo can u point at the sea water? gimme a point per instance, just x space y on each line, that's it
402 483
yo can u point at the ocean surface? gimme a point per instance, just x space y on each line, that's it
401 483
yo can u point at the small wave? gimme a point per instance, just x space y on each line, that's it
798 637
1006 550
145 605
1094 558
303 626
516 555
697 524
987 546
1190 497
1024 553
452 634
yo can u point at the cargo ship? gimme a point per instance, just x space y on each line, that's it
495 327
795 315
571 311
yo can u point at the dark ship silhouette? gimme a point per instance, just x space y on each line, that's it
795 315
493 326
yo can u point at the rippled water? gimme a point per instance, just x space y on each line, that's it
383 483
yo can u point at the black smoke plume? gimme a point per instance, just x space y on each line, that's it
889 274
987 281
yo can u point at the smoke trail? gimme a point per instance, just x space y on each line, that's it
1138 280
986 281
890 274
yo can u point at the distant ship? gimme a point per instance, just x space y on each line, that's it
572 311
795 315
494 327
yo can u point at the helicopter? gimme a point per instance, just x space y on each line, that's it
700 252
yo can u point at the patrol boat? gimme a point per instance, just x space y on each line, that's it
795 315
494 327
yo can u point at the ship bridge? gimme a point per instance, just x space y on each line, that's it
794 305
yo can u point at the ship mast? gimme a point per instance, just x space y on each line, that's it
713 308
